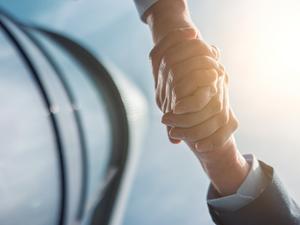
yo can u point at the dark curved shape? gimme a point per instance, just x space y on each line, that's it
118 118
78 122
54 122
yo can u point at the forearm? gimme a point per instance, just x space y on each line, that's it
167 15
226 167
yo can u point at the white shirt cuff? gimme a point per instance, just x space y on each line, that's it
250 189
143 5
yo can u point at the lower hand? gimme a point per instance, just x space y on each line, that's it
191 89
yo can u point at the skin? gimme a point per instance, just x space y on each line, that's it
191 89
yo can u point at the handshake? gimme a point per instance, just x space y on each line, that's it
191 89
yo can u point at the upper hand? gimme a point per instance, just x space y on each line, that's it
169 66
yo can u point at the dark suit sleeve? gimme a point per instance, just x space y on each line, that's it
273 206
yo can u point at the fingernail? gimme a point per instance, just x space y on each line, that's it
174 134
174 141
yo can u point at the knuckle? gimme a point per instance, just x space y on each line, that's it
204 77
222 68
212 73
201 45
210 62
207 58
235 124
197 43
226 116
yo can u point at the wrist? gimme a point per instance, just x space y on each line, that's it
226 168
167 15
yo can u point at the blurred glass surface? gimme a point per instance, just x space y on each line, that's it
259 43
63 111
30 185
93 115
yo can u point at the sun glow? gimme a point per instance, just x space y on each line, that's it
278 45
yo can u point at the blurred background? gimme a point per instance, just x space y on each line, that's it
260 44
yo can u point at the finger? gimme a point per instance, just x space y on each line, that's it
172 140
214 107
202 130
160 90
167 103
199 99
219 138
183 68
172 38
188 49
216 52
193 81
188 86
195 102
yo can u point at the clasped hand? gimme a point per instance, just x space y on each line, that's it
191 89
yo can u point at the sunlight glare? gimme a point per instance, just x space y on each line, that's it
278 45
